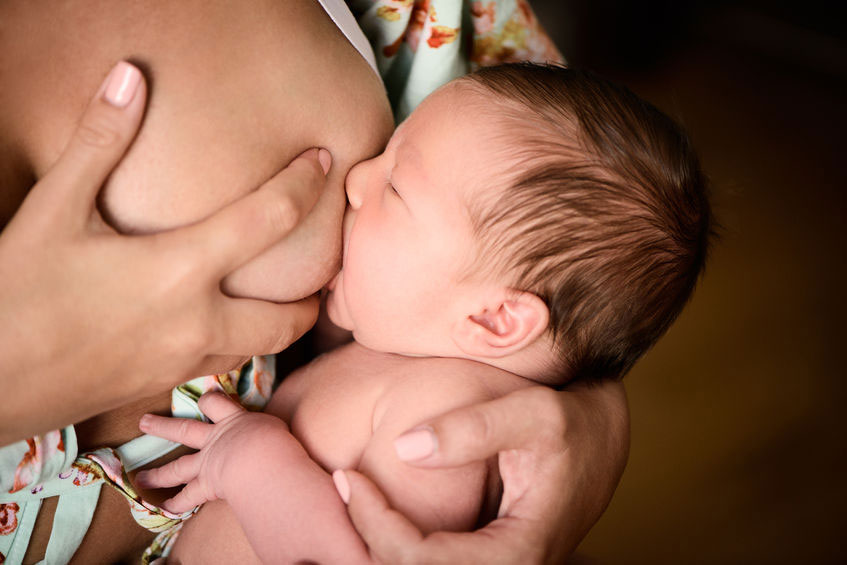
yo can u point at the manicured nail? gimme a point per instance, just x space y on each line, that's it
122 84
341 485
415 445
325 158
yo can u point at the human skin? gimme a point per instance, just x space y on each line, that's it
344 410
258 118
101 339
403 288
216 72
558 482
407 283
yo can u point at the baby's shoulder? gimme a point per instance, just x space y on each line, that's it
423 387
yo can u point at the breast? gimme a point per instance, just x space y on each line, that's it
235 94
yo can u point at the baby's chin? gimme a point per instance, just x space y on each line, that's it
335 311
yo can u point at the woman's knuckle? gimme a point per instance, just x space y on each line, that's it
550 417
98 133
481 426
284 337
283 213
195 338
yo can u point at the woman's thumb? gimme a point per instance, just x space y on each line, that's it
105 130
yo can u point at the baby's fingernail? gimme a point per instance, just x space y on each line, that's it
325 158
415 445
341 485
141 479
121 85
144 423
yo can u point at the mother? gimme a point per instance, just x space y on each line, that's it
235 95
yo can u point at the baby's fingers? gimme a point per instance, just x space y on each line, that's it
218 406
181 430
194 494
177 472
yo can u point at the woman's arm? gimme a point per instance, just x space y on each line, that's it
92 318
561 457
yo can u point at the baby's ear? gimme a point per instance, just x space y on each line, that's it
503 327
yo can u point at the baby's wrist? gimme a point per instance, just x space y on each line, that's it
243 464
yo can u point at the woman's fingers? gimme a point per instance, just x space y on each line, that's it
260 327
177 472
248 226
391 538
385 531
106 129
188 432
476 432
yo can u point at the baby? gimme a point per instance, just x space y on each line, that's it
526 224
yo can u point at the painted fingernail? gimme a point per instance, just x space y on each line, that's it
122 84
339 477
415 445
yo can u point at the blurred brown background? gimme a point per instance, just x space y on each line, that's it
738 436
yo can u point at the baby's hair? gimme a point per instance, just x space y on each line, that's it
606 217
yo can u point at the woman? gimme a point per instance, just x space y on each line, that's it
236 95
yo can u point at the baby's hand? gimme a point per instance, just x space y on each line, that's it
211 473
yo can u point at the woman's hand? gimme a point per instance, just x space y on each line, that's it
92 319
561 455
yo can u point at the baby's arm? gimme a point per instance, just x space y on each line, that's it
449 499
285 502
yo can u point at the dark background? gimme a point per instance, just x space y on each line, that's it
738 434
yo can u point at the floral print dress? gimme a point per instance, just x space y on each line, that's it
423 44
49 465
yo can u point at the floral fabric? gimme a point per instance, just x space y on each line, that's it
423 44
49 465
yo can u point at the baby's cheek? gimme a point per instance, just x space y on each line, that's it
302 263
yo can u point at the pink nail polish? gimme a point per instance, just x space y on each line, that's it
415 445
122 84
341 485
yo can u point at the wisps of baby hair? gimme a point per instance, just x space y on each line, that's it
606 217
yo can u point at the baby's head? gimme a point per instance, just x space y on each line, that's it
544 221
